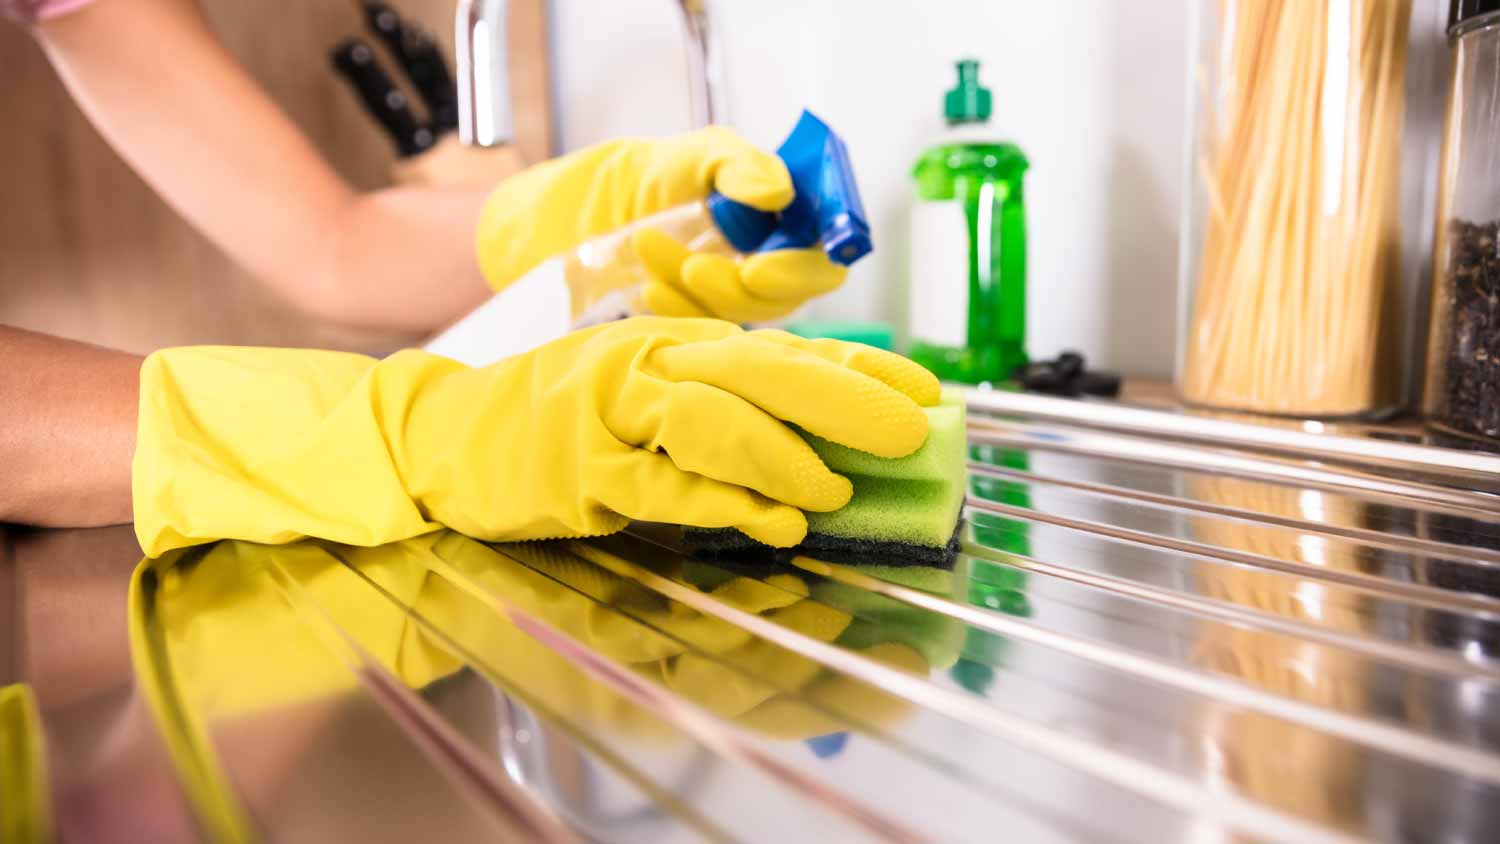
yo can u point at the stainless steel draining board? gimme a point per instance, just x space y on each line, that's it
1160 629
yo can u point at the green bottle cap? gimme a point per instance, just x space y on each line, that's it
968 102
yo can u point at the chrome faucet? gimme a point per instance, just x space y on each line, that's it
705 71
482 56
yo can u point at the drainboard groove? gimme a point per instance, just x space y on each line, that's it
1239 615
1413 592
1484 557
1104 763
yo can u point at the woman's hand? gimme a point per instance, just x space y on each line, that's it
554 207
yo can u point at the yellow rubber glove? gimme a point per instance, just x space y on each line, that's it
25 797
653 419
556 205
552 207
759 287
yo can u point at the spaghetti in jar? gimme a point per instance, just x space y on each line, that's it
1294 230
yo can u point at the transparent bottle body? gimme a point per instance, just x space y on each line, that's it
1463 357
1305 209
606 276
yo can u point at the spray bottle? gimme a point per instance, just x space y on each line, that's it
602 279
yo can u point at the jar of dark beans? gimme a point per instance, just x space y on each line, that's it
1463 360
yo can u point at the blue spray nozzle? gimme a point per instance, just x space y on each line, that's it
826 210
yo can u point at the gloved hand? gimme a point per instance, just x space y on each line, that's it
653 419
759 287
555 206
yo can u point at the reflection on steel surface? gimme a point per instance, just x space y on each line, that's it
1145 639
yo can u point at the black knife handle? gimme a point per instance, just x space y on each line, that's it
355 61
420 59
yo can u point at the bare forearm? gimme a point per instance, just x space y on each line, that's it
67 430
401 258
158 84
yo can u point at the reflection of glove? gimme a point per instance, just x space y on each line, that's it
25 804
652 419
723 667
559 204
764 685
761 287
236 644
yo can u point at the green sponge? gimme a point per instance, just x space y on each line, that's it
914 500
904 510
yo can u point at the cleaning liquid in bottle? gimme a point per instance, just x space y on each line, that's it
967 294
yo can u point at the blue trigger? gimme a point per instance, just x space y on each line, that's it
826 208
744 227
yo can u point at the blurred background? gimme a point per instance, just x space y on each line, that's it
1094 92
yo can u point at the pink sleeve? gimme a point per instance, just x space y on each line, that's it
39 10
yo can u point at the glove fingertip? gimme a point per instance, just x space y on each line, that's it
715 281
827 491
757 179
777 525
924 388
904 429
905 376
791 274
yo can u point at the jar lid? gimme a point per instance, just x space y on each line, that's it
1462 14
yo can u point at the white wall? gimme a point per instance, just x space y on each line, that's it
1092 90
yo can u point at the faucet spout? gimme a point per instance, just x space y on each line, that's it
705 71
481 54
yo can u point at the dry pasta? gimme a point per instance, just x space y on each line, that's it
1300 243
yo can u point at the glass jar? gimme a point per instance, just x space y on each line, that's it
1294 293
1463 356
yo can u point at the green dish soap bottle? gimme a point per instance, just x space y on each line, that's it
967 295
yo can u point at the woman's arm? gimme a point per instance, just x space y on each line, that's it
159 85
67 430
